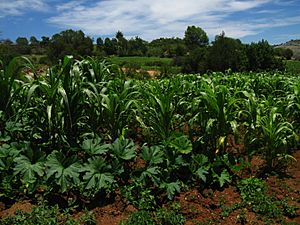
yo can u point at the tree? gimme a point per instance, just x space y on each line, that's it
261 56
34 41
195 61
22 45
99 42
122 44
22 41
69 42
195 37
137 47
227 53
45 42
288 53
7 51
109 47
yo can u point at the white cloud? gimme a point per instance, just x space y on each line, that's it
155 18
152 19
18 7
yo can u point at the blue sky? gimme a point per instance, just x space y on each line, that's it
249 20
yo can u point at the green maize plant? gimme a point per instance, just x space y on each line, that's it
57 104
11 83
293 108
159 108
118 105
276 135
216 116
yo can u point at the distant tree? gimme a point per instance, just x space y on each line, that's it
195 61
7 51
122 44
22 45
137 47
22 41
69 42
227 53
195 37
110 46
99 50
119 35
45 41
34 41
288 53
99 42
166 47
261 56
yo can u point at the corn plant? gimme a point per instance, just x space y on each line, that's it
216 116
159 111
11 83
118 105
276 136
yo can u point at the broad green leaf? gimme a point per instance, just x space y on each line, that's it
64 169
181 144
94 146
153 155
124 149
224 177
201 173
172 188
97 174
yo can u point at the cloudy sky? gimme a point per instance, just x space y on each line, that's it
249 20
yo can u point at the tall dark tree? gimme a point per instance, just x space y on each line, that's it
109 46
261 56
195 37
122 44
70 42
22 41
99 42
227 53
7 51
137 47
22 45
34 41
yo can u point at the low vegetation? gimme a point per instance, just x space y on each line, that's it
83 131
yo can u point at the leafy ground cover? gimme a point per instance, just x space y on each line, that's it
293 66
85 136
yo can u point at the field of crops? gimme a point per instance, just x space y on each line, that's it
82 135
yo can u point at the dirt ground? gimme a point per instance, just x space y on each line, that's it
202 207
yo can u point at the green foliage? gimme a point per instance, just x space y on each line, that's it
30 167
195 37
69 42
140 218
94 146
64 171
254 194
97 175
123 149
227 53
42 215
164 216
83 129
276 134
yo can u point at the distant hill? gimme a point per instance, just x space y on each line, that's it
294 45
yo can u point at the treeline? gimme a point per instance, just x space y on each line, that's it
193 53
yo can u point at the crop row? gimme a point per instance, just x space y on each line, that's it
83 129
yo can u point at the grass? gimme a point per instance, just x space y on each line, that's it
139 60
163 65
